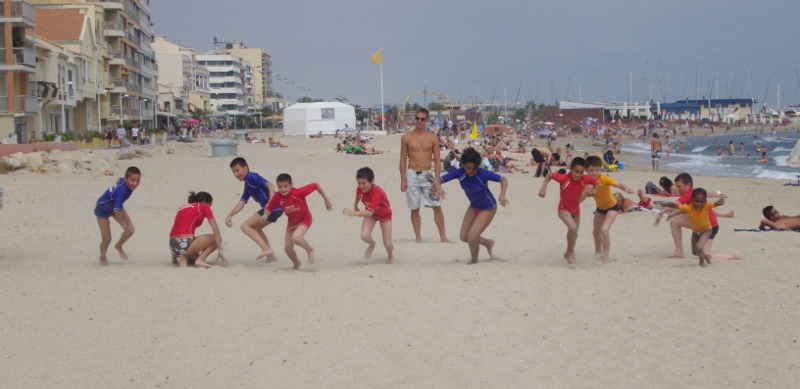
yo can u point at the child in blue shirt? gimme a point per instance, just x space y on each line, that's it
260 190
483 206
110 205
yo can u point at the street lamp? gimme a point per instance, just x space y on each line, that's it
121 112
63 110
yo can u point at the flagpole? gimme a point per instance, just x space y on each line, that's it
383 106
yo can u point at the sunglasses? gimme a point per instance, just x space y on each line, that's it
419 119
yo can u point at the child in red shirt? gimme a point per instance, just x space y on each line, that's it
184 244
572 193
293 203
377 209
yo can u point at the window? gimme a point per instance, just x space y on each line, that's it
327 114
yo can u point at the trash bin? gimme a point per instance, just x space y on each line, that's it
224 147
240 135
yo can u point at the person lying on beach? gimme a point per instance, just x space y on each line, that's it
275 143
774 220
110 204
185 246
627 205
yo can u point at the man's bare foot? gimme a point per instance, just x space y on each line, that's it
368 251
199 263
103 260
266 254
311 257
676 254
570 257
121 252
445 240
489 248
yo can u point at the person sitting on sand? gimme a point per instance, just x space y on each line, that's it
669 189
185 246
775 221
339 148
627 205
275 143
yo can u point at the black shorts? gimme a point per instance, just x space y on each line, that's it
273 216
714 231
615 208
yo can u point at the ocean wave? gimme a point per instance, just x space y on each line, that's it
761 172
779 148
699 149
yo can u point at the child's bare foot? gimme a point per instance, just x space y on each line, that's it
199 263
122 253
598 256
266 254
391 260
182 261
676 254
489 247
296 264
737 255
272 258
419 240
570 257
368 251
445 240
702 262
472 262
311 257
103 260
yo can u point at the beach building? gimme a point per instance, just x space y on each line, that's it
309 119
225 82
18 101
77 76
726 110
568 111
183 83
260 80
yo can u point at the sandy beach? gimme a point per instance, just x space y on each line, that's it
427 321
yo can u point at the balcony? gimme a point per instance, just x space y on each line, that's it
113 4
26 104
132 13
147 92
22 14
135 39
114 30
134 87
23 59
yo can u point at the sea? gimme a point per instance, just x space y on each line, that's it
700 155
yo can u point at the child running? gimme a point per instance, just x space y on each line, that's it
569 210
110 204
607 207
184 245
376 209
699 221
293 202
482 205
261 190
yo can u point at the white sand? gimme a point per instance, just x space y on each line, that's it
428 321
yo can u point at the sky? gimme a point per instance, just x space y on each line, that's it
500 50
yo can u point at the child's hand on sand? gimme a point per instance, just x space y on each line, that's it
221 258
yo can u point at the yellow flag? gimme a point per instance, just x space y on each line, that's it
377 57
474 133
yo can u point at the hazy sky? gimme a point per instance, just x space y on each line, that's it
484 48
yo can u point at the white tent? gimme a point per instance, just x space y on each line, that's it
309 119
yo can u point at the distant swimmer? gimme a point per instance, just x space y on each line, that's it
774 220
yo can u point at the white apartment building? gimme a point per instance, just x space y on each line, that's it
225 82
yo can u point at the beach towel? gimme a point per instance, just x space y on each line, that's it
758 230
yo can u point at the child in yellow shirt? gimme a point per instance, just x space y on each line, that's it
699 221
607 206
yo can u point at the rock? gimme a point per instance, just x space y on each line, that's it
170 150
36 161
143 152
11 163
126 154
22 159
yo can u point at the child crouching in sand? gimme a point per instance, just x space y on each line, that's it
698 212
185 246
376 210
110 204
293 203
569 210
